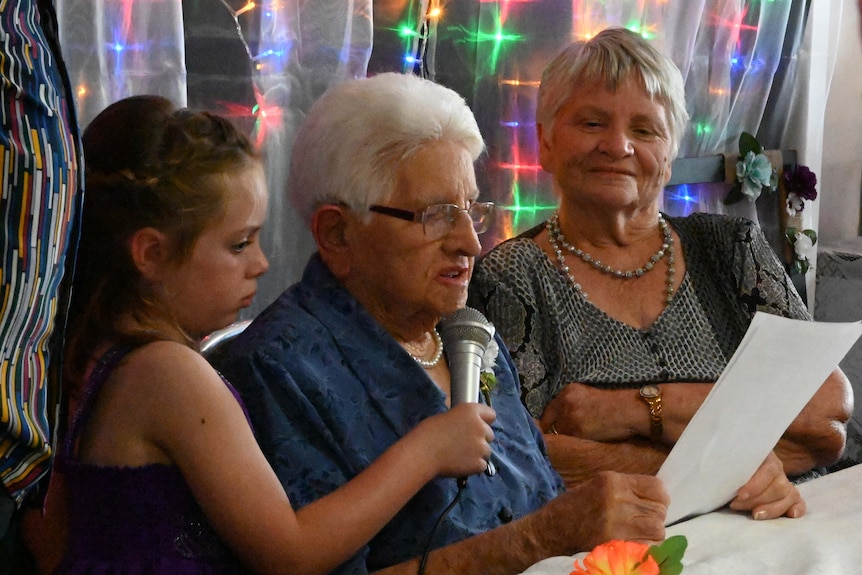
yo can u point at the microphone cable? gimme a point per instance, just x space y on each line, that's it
469 327
462 483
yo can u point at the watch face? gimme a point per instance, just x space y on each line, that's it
650 391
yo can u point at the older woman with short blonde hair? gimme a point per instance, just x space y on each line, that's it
620 318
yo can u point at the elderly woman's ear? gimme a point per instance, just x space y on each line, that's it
328 226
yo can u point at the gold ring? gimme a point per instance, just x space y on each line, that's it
554 429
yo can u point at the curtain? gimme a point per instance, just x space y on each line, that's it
265 64
304 48
738 61
119 49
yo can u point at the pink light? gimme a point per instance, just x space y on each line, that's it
520 167
233 110
735 25
268 117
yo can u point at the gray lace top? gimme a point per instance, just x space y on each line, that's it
556 336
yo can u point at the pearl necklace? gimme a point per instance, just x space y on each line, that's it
431 363
557 239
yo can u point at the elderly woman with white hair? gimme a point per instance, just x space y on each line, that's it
348 360
619 318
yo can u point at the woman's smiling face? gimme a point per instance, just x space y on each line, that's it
610 148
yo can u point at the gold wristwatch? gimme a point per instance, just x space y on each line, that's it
651 394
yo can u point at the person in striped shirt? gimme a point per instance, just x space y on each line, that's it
39 179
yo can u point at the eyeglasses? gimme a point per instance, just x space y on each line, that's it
439 220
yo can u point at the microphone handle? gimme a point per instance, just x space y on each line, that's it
465 368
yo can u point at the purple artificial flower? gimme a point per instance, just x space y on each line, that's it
801 182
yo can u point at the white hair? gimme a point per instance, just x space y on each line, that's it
359 132
613 56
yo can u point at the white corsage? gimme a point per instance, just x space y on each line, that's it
487 377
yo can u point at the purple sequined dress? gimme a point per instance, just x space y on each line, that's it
134 520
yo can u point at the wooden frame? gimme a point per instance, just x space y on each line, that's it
709 169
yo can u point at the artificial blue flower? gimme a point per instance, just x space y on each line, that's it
754 172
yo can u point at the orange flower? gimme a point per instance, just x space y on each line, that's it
618 558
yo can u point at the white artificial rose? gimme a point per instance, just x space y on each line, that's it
802 246
489 359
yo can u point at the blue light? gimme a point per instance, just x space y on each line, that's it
681 200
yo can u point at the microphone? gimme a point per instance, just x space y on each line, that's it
466 334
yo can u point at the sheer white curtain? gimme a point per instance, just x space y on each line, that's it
119 49
296 48
744 62
310 46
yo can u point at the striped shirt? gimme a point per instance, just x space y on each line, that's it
40 194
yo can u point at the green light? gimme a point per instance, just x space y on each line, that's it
529 209
702 129
497 38
407 32
409 35
644 33
529 213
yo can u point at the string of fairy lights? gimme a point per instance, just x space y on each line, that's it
520 186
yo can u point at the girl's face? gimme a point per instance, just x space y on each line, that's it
207 290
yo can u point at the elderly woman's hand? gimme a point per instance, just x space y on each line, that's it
458 441
769 494
587 412
607 506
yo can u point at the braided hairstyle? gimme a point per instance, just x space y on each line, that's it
147 165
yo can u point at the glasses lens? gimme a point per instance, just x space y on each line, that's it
481 213
438 220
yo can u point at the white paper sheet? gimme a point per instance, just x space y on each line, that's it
776 369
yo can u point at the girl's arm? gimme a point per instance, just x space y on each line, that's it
198 423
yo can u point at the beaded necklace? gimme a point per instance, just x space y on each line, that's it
431 363
558 243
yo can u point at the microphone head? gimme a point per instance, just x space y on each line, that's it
466 324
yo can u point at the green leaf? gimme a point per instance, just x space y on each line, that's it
668 555
801 266
811 234
487 383
734 195
748 143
